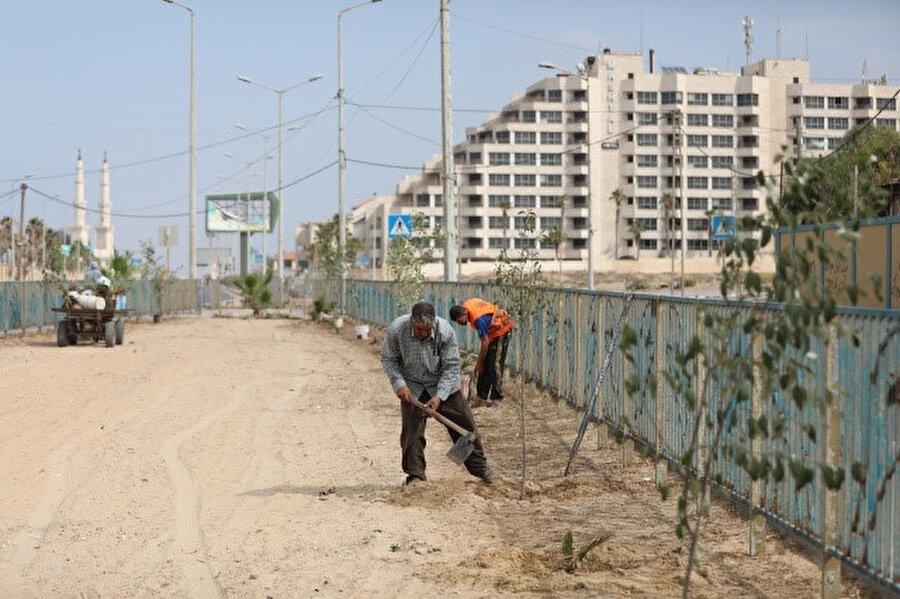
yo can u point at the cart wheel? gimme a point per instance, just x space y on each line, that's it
109 333
62 339
120 331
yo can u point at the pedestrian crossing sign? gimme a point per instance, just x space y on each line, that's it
722 227
399 225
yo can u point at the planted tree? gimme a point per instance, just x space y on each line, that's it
406 261
255 290
617 196
326 256
523 296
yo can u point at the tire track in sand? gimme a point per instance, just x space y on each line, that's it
189 543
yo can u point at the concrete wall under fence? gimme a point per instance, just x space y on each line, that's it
564 352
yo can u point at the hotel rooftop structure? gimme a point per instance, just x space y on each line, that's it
572 142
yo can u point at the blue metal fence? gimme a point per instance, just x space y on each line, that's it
28 305
565 351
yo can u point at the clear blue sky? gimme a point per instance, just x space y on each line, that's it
112 76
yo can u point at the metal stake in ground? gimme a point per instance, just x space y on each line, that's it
595 391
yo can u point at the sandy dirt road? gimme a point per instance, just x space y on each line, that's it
224 457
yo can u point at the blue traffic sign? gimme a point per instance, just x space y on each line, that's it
722 227
399 225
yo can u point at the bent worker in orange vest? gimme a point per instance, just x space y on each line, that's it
494 327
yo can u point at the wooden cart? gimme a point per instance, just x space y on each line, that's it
89 325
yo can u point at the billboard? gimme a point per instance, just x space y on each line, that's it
253 212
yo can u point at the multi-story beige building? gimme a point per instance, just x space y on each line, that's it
670 144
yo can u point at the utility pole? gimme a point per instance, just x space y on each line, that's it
20 255
450 224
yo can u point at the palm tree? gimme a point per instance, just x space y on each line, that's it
636 228
6 235
557 239
34 252
617 196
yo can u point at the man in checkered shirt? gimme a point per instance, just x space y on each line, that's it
420 357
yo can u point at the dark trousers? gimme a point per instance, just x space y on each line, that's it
490 381
412 435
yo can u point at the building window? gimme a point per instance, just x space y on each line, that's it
647 139
498 180
551 222
749 204
889 123
551 116
579 159
721 203
524 242
646 182
698 182
551 159
474 178
862 103
697 120
498 201
496 222
423 199
498 158
525 137
723 99
721 182
646 202
526 158
749 183
551 180
551 137
646 118
522 180
838 102
476 201
722 141
550 202
647 160
650 224
697 203
814 102
723 120
814 143
750 162
525 201
502 137
748 99
697 99
438 199
834 143
697 141
579 180
529 116
813 122
698 161
496 243
697 244
646 97
886 103
722 161
648 244
697 224
475 222
670 97
838 123
474 157
554 95
749 141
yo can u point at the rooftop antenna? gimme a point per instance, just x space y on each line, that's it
806 41
778 39
747 22
864 69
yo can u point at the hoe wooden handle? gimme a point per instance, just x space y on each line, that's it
441 418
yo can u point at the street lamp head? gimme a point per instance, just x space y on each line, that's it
169 1
318 76
546 65
242 78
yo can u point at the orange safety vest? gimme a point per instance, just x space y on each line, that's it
500 324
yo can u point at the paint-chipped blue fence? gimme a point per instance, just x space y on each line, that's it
26 305
565 349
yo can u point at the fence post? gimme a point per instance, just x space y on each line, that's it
757 520
627 441
602 429
660 365
702 450
831 565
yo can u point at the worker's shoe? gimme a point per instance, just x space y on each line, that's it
477 402
488 476
413 479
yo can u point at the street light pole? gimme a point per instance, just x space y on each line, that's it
280 93
342 160
192 151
